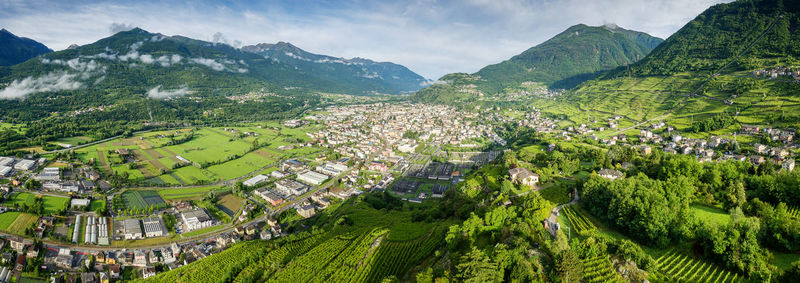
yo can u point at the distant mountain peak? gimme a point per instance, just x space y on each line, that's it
15 49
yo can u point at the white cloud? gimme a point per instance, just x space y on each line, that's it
211 63
56 81
157 93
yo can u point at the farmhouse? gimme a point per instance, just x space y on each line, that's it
610 174
196 219
523 176
133 229
154 227
256 180
312 178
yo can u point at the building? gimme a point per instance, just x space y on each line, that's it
788 164
258 179
6 161
312 178
196 219
24 165
292 165
49 174
610 174
278 174
523 176
132 229
79 202
269 196
288 187
5 171
306 210
154 227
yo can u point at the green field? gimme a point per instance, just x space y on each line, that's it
218 153
96 203
16 222
51 204
142 199
710 215
188 193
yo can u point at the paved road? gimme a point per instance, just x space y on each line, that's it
553 218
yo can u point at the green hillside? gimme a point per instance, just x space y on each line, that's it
579 53
675 82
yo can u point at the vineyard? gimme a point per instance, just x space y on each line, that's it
217 267
580 223
794 212
682 268
600 269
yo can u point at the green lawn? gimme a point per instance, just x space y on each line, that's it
52 204
7 218
97 203
556 193
711 215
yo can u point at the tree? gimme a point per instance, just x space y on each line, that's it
475 266
569 266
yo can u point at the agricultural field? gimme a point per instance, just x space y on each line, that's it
230 204
188 193
370 249
16 222
599 269
683 268
52 204
142 199
580 223
213 154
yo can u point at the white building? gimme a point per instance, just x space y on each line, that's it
256 180
5 171
79 202
196 219
154 227
24 165
133 229
312 178
289 187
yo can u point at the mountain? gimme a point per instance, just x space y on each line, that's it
15 50
578 54
715 38
383 77
734 64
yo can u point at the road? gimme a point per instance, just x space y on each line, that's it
553 218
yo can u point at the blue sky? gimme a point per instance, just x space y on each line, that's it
430 37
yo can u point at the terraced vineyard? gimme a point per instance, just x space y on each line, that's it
682 268
600 269
580 223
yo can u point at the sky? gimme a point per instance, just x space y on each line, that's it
430 37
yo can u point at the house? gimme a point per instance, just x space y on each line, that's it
292 165
88 277
523 176
306 210
788 164
756 159
154 227
610 174
148 272
312 178
760 148
132 229
196 219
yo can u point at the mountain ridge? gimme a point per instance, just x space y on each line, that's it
15 49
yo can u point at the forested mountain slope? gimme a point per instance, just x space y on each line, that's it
15 50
